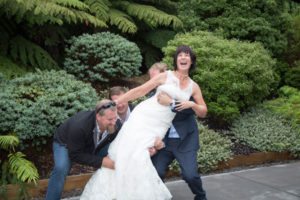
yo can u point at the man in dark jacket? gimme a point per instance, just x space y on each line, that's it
84 138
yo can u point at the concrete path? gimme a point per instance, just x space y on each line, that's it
277 182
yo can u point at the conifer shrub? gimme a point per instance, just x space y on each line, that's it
233 75
33 105
102 57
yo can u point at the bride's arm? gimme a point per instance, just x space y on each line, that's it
143 89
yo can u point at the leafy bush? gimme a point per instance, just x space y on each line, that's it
262 21
102 57
264 130
32 106
292 77
287 105
233 75
213 149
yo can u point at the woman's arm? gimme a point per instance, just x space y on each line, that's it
198 105
143 89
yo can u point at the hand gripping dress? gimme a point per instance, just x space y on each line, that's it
134 177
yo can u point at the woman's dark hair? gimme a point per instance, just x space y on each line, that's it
185 49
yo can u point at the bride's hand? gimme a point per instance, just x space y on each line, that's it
184 105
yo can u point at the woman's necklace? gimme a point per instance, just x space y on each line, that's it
180 76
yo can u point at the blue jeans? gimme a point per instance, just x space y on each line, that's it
62 166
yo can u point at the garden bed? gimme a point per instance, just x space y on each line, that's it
77 182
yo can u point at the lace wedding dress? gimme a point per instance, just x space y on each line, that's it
134 177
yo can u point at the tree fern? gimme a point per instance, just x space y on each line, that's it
8 142
149 14
29 53
100 8
49 11
24 169
122 21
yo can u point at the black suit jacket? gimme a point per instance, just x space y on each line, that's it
77 134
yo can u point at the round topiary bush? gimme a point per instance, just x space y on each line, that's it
33 105
102 57
233 75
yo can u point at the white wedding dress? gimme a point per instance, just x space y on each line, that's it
135 177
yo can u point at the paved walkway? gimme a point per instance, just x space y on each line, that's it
277 182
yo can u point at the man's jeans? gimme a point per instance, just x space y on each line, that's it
62 166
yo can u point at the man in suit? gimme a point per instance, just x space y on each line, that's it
83 138
182 144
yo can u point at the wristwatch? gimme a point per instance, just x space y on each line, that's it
172 104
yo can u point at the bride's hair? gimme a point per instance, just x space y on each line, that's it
188 50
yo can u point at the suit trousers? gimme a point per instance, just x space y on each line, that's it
187 162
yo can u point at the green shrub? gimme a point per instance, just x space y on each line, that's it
266 131
213 149
292 77
233 75
287 105
102 57
266 22
32 106
9 69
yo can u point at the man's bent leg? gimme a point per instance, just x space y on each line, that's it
161 160
61 169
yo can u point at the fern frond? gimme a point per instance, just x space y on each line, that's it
29 53
122 21
8 142
24 169
50 11
17 8
149 14
87 18
100 8
73 4
54 10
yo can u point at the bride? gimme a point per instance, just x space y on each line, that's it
134 176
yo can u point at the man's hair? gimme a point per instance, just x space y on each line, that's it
117 90
106 104
185 49
162 67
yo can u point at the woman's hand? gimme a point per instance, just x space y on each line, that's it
181 105
164 99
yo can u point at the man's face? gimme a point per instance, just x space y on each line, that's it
108 120
121 107
153 72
